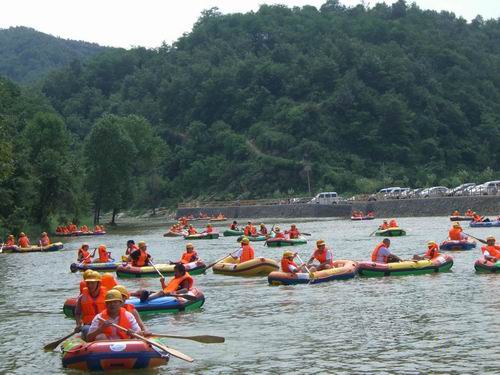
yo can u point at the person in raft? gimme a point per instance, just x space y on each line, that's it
11 241
209 229
104 255
476 218
278 233
181 283
245 252
131 308
84 255
140 257
23 240
293 233
393 223
250 230
385 225
431 253
191 230
288 265
44 239
190 255
381 253
491 251
131 247
455 233
89 303
113 313
323 255
469 212
263 230
455 213
234 225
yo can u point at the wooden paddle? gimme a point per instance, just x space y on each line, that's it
311 275
156 269
75 269
205 339
170 351
306 234
55 344
221 259
480 240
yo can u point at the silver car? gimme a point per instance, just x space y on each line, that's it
435 191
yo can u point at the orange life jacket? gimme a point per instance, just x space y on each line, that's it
103 255
279 235
375 252
187 257
494 250
176 282
294 233
83 285
320 256
192 231
393 224
285 265
45 240
477 218
92 306
455 234
10 242
129 307
469 213
432 251
123 321
209 230
108 282
84 255
142 260
248 230
384 226
247 253
23 241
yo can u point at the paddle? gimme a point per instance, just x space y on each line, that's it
221 259
311 275
1 248
372 233
55 344
306 234
170 351
156 269
480 240
75 268
205 339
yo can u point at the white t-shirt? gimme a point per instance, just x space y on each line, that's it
96 323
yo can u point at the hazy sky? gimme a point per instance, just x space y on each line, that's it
126 23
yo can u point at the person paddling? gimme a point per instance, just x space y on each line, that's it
190 255
456 232
381 253
131 247
44 239
11 240
323 255
384 225
89 303
263 229
393 223
140 257
245 253
191 230
84 255
278 233
181 283
431 253
491 251
293 233
104 255
113 313
131 308
234 225
288 265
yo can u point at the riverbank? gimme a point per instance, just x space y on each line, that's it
485 205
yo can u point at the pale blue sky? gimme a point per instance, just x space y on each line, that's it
126 23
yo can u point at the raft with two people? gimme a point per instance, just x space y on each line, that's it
457 245
280 242
390 232
341 270
129 271
258 238
485 224
33 248
95 266
232 232
442 263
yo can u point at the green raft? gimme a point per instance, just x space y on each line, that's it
253 238
202 236
230 233
391 232
279 242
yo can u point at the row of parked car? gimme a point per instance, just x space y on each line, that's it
468 189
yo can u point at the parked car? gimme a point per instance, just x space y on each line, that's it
329 197
397 193
410 193
488 188
459 190
435 191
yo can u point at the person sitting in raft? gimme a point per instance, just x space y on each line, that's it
469 212
191 230
393 223
263 230
491 251
385 225
455 233
181 283
455 213
288 265
323 255
140 257
370 214
278 233
234 225
83 282
84 228
190 255
479 219
108 281
209 229
23 240
113 313
293 233
431 253
131 308
44 239
131 247
89 303
104 255
11 241
246 252
381 253
84 255
250 230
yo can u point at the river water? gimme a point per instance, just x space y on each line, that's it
441 323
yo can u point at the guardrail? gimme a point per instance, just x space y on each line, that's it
247 202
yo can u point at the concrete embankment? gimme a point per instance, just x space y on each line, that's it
485 205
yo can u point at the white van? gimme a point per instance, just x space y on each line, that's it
328 197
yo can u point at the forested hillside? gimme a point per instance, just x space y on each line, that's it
27 55
246 105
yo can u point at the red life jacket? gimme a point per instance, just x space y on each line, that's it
494 250
142 260
320 256
294 233
285 265
188 257
455 234
176 282
103 255
123 321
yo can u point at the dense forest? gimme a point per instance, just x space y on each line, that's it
26 55
248 105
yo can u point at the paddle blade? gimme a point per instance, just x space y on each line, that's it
55 344
205 339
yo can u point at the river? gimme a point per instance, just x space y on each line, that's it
440 323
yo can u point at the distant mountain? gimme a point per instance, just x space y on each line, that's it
27 55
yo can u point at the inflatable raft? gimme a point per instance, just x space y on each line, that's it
129 271
485 224
202 236
344 269
253 238
440 264
357 218
279 242
483 265
158 305
391 232
460 218
449 245
100 267
112 355
33 249
255 267
79 233
175 234
230 233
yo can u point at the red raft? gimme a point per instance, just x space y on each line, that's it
111 355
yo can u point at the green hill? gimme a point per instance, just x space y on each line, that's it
26 55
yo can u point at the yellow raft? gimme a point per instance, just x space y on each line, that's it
34 249
255 267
